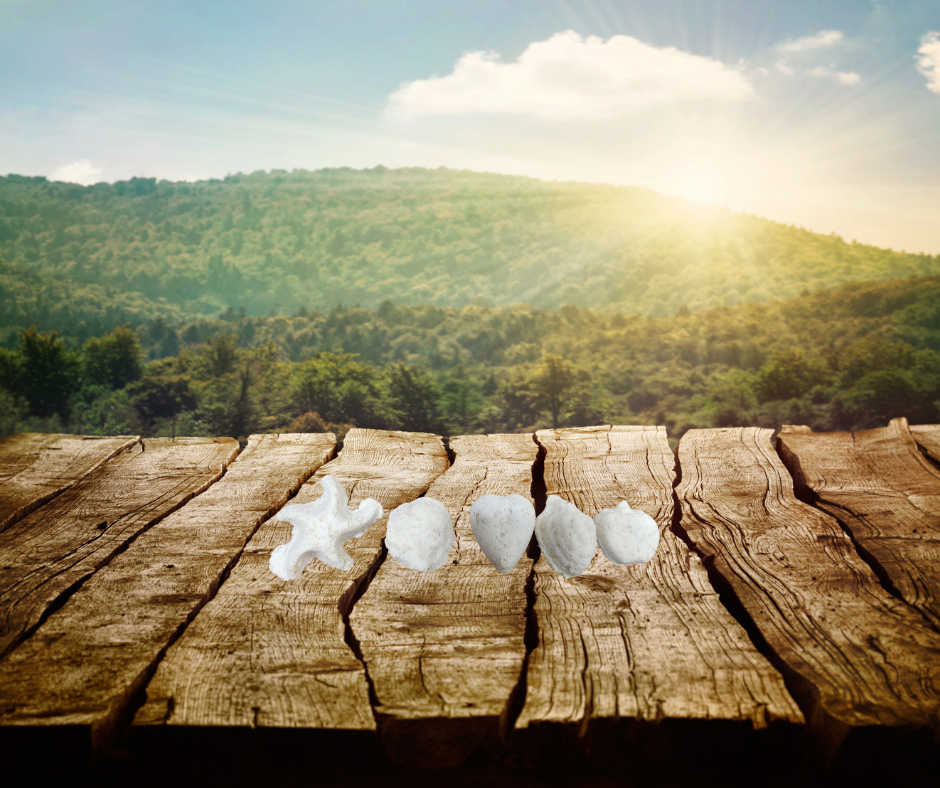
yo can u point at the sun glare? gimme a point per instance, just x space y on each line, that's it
701 181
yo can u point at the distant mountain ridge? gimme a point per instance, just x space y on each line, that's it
85 258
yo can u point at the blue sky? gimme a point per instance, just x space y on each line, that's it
824 114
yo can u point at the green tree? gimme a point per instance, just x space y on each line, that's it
729 400
413 399
519 405
222 354
12 412
554 384
49 373
461 401
242 410
789 374
340 389
882 395
114 360
161 398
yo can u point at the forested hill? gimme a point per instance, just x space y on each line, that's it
81 259
839 359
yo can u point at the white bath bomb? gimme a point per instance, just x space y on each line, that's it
321 528
420 534
567 537
502 526
627 536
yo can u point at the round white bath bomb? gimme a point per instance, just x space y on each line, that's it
420 534
567 537
627 536
502 526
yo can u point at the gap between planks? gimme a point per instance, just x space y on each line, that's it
35 468
267 654
859 661
444 650
531 619
125 616
51 552
885 494
627 655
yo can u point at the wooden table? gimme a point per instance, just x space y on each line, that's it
792 606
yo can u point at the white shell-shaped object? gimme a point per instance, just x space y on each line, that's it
627 536
502 526
567 537
321 527
420 534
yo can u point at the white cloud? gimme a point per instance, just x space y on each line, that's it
570 77
843 77
820 40
783 68
928 60
81 171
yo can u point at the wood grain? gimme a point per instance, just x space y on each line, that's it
886 493
444 650
645 643
928 438
51 551
853 655
267 653
35 468
84 665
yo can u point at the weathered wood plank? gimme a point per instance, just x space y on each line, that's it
883 490
50 551
82 667
444 650
854 656
35 468
643 643
928 437
269 653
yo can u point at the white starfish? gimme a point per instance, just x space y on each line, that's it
321 528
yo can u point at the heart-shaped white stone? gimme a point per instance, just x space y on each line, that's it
627 536
502 526
567 536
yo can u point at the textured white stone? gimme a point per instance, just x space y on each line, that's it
502 526
567 536
321 527
627 536
420 534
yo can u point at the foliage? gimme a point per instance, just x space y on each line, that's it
84 259
114 360
45 373
339 388
412 399
849 358
157 398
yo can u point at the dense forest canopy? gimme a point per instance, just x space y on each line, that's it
847 358
84 259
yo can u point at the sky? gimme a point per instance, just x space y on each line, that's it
822 114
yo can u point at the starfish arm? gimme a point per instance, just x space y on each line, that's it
336 556
284 562
335 499
362 519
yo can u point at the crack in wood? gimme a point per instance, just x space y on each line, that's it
94 607
62 523
818 628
